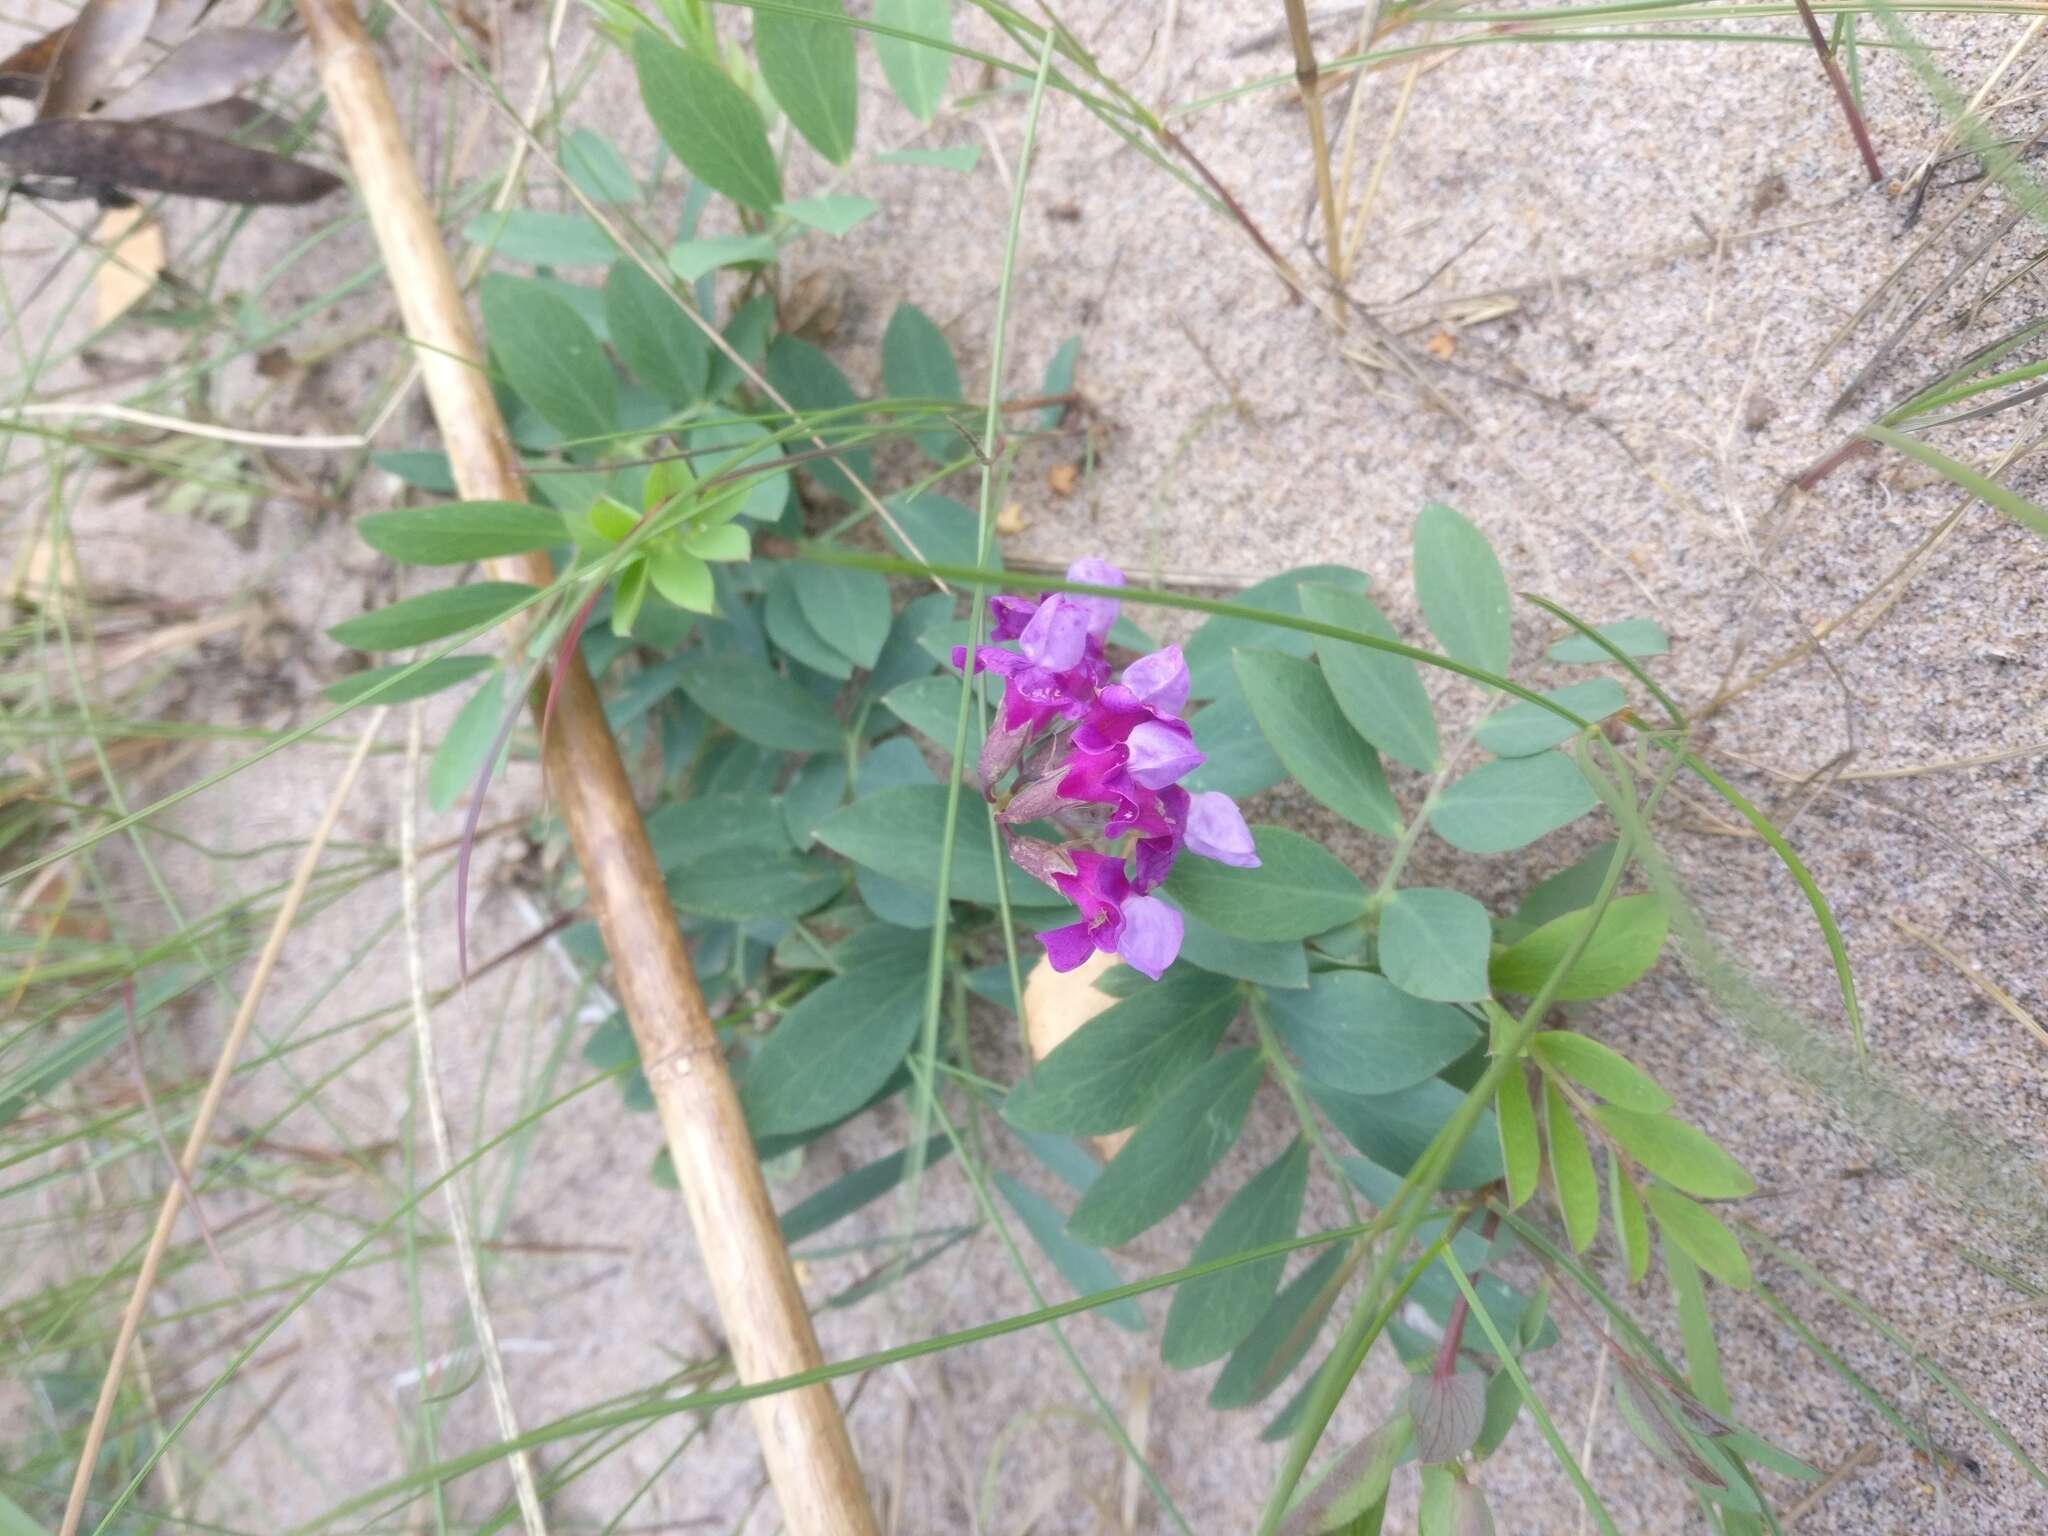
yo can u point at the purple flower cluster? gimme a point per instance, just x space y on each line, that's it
1102 760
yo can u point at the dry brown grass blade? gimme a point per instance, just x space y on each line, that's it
202 1122
802 1434
134 243
1976 978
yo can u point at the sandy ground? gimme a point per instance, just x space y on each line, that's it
1630 259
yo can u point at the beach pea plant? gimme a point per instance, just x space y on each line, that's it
886 779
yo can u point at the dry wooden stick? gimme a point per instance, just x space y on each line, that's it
1319 143
803 1438
202 1124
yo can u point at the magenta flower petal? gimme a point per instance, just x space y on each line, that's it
1057 636
1160 680
1151 935
1008 616
1154 860
1068 947
1162 752
1216 830
1101 611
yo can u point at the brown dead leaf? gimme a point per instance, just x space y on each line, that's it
22 71
1056 1003
155 157
134 243
1062 478
43 571
1011 519
815 304
98 42
208 67
1441 345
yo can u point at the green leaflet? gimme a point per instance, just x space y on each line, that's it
1359 1033
1300 888
809 66
708 122
550 356
1572 1175
1212 1315
1171 1152
1676 1152
1112 1071
1625 945
1463 593
1510 802
833 1050
1298 713
431 616
1434 944
1381 694
1084 1268
457 532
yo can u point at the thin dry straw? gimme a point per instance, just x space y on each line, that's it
202 1123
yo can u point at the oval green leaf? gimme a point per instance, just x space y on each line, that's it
1572 1175
1521 1154
1624 945
760 703
1381 695
1171 1152
1434 944
431 616
1510 802
1699 1232
1392 1129
916 72
1601 1070
1212 1315
412 680
1524 729
666 350
457 532
1209 649
1300 888
1085 1269
550 356
709 122
1463 593
1359 1033
808 64
1308 733
1677 1153
832 1050
1111 1071
917 363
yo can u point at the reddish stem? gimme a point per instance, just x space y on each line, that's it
1843 94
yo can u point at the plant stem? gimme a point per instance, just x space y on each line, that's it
1305 77
1857 130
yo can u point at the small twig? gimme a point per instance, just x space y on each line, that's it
1857 130
202 1123
156 1129
1858 1459
437 1122
1985 984
1305 79
312 442
1288 275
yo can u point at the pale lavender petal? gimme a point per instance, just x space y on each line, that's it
1101 610
1057 635
1162 752
1151 936
1160 680
1216 830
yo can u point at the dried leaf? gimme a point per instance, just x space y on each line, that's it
134 243
22 71
176 18
151 157
1056 1004
1448 1412
207 68
100 39
1062 478
237 118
